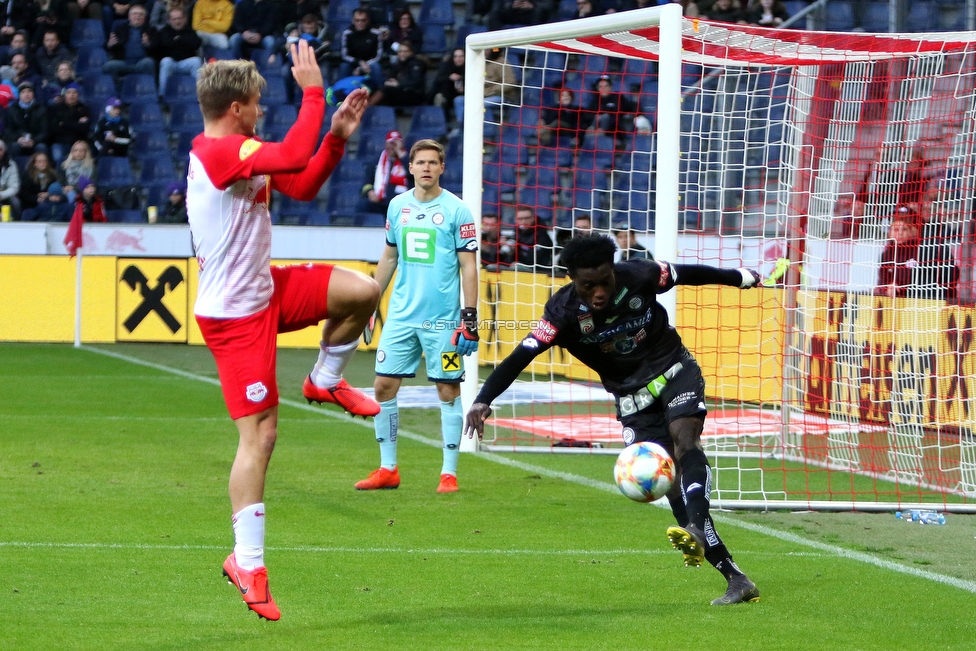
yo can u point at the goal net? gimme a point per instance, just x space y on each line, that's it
849 382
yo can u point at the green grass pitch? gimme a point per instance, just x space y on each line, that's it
114 522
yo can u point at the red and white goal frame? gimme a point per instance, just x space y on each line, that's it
826 390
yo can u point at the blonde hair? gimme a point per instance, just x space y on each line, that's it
221 83
88 161
425 144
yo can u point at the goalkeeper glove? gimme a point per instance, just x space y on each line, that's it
465 338
750 278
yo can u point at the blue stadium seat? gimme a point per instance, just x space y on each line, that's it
157 171
554 157
341 11
922 17
180 88
114 171
435 41
87 33
185 117
90 60
151 143
184 143
282 116
369 220
260 58
274 92
349 170
138 88
428 118
371 145
379 118
466 30
293 211
566 10
840 17
876 16
455 147
125 216
98 85
343 200
435 12
146 116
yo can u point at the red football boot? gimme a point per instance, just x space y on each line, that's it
381 478
253 585
352 400
448 484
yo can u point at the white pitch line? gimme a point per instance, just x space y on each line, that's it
362 550
969 586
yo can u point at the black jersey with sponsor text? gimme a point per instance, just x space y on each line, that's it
630 342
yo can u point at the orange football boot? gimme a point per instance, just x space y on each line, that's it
253 585
380 478
448 484
352 400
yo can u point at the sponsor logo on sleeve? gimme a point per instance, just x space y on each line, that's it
467 231
248 147
529 342
545 332
472 245
665 274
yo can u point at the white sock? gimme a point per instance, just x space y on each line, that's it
249 536
332 362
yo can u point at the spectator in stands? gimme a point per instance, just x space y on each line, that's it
900 255
128 45
70 122
406 82
79 165
38 175
18 45
312 31
726 11
9 181
26 124
88 202
689 8
47 15
177 47
449 83
174 212
497 251
14 16
361 49
159 12
383 13
610 112
253 27
54 207
582 225
8 93
478 11
913 192
64 76
50 55
212 20
112 134
404 30
587 9
561 124
21 72
534 245
766 13
113 11
630 248
85 9
295 11
511 13
389 178
500 83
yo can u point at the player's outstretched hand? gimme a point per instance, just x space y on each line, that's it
475 421
305 69
346 119
750 278
465 338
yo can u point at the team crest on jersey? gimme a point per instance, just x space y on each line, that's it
248 147
256 392
438 218
586 323
628 434
635 303
467 231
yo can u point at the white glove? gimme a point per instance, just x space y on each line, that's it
750 278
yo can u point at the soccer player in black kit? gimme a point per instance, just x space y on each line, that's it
610 320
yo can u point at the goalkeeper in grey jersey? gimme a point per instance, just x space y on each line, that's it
610 320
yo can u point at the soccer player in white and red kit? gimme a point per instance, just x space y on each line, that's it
243 302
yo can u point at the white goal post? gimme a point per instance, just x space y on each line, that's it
851 383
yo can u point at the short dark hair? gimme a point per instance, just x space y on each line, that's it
587 252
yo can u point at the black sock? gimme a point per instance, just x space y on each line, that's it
678 509
696 486
718 554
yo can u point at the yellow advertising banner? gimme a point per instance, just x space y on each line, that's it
151 300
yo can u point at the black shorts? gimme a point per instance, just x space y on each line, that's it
682 397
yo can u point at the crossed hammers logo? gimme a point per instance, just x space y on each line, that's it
152 297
